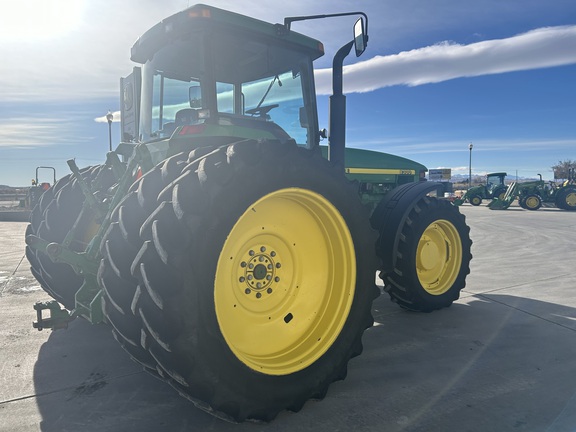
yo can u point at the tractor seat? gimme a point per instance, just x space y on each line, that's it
186 116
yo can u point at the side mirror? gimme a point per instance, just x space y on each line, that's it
195 96
360 37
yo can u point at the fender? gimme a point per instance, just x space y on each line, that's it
390 214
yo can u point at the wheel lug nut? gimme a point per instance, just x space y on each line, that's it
262 249
276 279
272 254
242 279
251 253
247 290
258 295
269 290
278 265
242 264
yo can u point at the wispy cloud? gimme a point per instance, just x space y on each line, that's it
416 146
540 48
21 132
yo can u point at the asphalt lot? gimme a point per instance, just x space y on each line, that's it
502 358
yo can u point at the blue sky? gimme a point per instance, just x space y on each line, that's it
437 75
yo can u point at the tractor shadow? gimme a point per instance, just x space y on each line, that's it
489 362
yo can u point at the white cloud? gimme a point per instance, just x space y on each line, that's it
540 48
20 132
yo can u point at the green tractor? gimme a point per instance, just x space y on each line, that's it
531 195
231 258
494 188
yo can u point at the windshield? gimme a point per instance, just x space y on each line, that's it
276 99
183 83
493 180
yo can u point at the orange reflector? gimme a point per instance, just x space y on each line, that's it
200 13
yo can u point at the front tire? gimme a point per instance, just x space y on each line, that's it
432 257
476 200
256 278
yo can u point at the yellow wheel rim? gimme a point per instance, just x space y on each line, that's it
285 281
438 257
571 199
531 202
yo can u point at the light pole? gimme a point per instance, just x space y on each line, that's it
470 167
110 117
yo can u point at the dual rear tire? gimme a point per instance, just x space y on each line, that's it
255 265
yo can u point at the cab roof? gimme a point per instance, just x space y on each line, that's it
208 19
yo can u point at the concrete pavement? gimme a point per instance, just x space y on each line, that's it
502 358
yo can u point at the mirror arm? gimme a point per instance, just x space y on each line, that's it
289 20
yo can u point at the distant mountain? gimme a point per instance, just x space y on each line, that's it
462 178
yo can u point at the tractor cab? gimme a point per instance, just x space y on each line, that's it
211 77
495 181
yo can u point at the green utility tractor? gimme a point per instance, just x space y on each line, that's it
531 195
231 258
494 188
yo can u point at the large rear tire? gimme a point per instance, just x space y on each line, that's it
427 268
532 202
119 248
52 219
566 198
499 193
255 279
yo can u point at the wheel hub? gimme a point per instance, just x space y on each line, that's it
438 257
532 202
429 254
259 271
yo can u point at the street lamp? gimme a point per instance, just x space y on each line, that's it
470 167
110 117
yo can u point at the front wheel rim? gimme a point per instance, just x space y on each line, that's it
439 257
285 281
532 202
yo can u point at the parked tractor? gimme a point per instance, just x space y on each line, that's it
531 195
38 188
231 258
494 188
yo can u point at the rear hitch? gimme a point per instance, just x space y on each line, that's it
58 319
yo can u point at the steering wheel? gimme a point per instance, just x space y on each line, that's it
261 111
